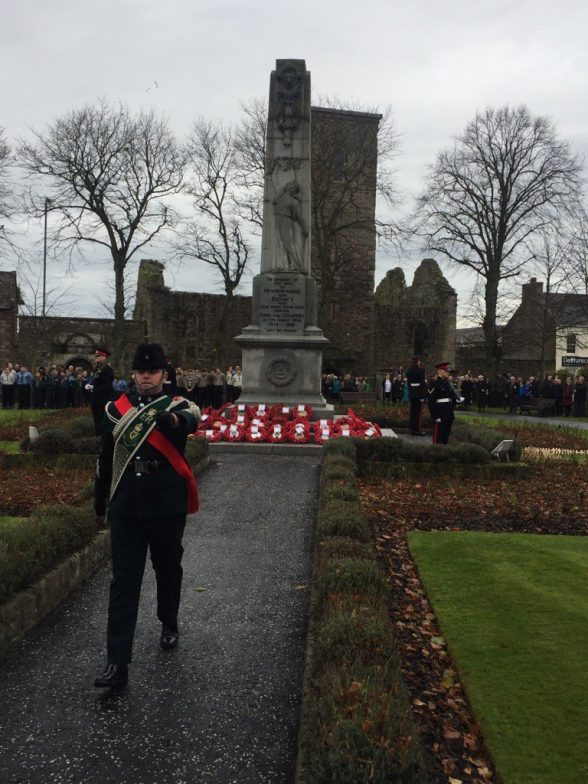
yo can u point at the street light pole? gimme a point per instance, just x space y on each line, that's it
47 202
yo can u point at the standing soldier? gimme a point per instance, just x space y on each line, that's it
415 377
149 488
442 400
101 388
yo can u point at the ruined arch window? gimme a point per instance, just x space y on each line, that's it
571 343
420 338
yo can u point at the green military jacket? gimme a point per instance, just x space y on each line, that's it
147 495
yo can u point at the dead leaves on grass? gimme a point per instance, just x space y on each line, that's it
449 732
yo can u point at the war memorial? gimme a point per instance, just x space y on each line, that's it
362 605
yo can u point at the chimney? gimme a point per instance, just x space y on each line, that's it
532 291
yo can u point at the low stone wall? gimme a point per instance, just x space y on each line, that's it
27 608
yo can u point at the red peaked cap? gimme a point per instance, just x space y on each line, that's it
442 366
102 352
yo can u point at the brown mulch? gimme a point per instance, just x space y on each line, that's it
22 489
551 501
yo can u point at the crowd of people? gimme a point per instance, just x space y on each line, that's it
509 392
332 385
60 386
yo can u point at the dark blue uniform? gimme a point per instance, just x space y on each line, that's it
442 399
415 377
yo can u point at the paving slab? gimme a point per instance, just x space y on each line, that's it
224 706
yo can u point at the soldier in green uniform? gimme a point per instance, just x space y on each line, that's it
146 487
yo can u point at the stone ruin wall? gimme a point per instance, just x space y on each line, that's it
418 319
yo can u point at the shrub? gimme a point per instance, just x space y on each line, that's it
344 547
196 450
343 518
340 446
343 638
356 722
52 442
41 542
366 734
338 492
351 575
80 427
333 472
340 460
485 437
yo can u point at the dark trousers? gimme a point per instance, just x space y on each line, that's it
415 416
98 414
23 395
7 395
441 431
130 541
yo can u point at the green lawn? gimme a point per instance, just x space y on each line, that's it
8 521
514 610
9 447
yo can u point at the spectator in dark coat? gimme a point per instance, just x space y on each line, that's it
557 396
580 391
567 396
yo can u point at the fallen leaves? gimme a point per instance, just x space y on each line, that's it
21 489
453 741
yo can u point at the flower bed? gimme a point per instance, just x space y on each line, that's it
280 424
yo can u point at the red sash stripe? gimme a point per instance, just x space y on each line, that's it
176 460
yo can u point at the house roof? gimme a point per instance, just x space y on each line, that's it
569 309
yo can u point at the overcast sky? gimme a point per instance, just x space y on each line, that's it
435 62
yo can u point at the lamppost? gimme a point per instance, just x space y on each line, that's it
47 203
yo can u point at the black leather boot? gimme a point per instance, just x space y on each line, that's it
169 636
114 676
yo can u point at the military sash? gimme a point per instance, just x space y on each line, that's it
137 426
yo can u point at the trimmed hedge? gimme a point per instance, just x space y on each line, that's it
196 450
356 721
486 437
40 542
396 450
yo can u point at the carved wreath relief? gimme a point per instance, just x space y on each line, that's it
281 370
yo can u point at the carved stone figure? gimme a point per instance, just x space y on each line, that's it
292 228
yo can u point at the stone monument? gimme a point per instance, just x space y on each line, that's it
282 347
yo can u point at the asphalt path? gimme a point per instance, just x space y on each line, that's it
224 706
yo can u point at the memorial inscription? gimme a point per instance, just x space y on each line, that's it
282 305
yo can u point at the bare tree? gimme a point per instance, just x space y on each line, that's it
108 173
216 237
249 140
551 264
7 199
40 307
505 177
577 248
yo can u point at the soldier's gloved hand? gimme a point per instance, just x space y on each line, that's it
166 421
438 420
